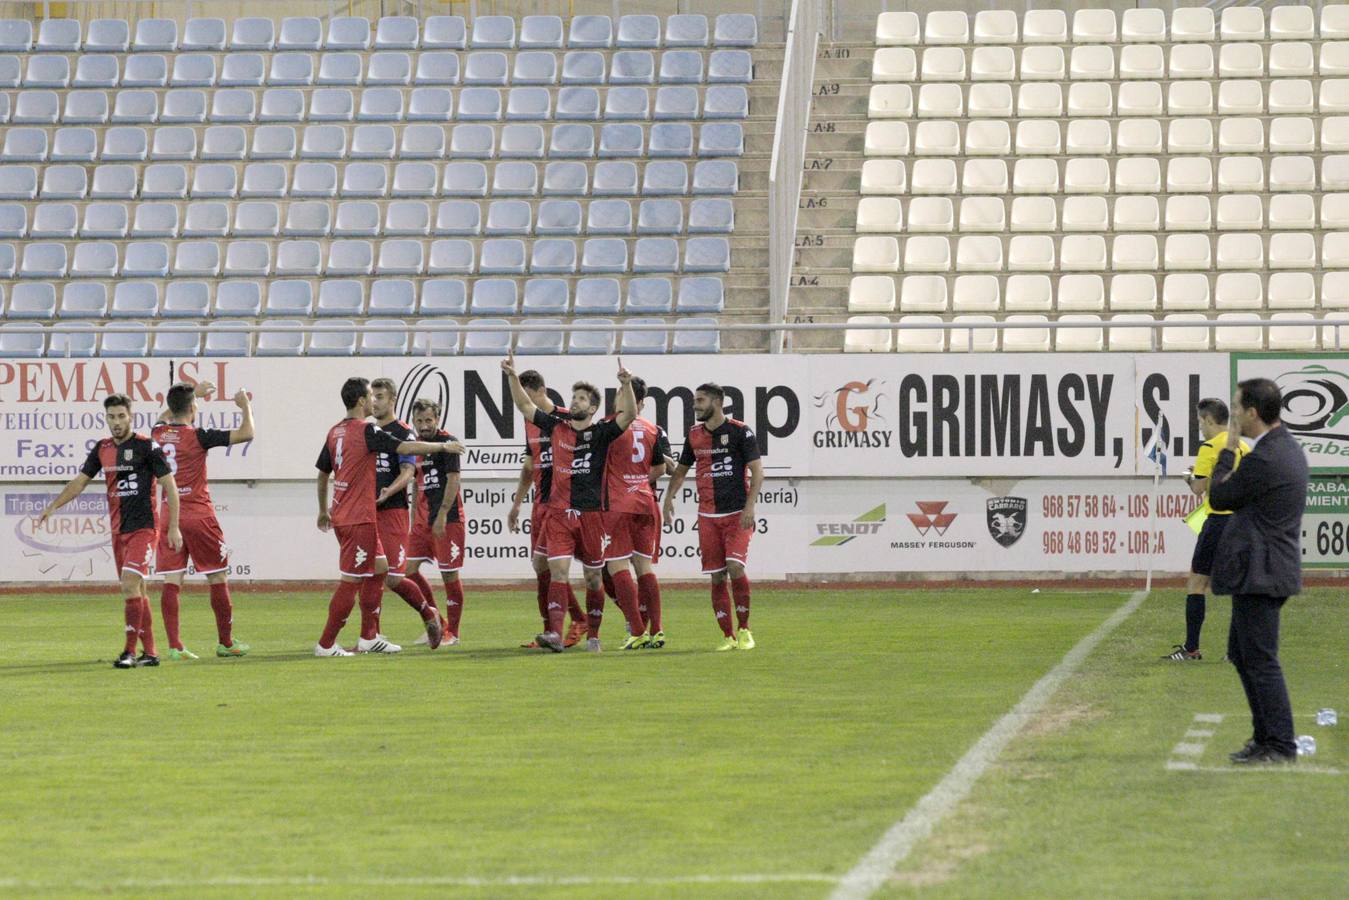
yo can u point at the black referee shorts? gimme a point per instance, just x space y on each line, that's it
1207 545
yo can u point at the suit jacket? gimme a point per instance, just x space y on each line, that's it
1261 548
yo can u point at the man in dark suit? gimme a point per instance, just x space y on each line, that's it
1259 559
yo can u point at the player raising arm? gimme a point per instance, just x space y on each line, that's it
185 447
131 463
729 476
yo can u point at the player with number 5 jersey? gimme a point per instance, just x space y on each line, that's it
729 475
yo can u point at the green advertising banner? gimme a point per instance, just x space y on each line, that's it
1325 525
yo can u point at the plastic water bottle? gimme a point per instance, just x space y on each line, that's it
1306 745
1327 717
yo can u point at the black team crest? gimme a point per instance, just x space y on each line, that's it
1006 519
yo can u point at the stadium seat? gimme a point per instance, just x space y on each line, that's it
385 338
701 341
488 343
870 340
593 32
20 342
544 342
597 296
649 296
32 300
634 342
642 31
124 339
545 296
334 343
445 297
592 342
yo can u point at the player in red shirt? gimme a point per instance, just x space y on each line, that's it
438 523
393 475
347 458
575 522
537 470
131 464
184 447
729 475
632 523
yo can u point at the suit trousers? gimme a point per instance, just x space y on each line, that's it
1253 647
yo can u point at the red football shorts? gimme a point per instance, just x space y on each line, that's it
450 548
577 535
421 544
644 529
359 548
134 550
628 533
721 538
203 542
538 529
393 535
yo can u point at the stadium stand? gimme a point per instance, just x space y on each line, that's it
1137 166
379 171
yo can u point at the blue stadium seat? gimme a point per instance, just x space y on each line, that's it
75 145
13 221
546 297
308 218
407 217
488 343
401 256
95 259
65 183
579 103
515 179
473 142
436 343
559 217
145 259
444 33
168 342
664 178
396 33
686 31
96 72
281 343
206 220
345 297
615 178
487 68
20 342
155 35
36 108
25 145
649 296
546 342
334 343
223 142
86 108
125 339
55 220
47 72
331 105
707 254
389 68
609 217
572 141
186 299
593 32
716 176
155 220
253 33
18 182
621 140
164 181
604 256
502 256
41 261
220 341
494 297
583 67
244 298
177 142
348 33
721 139
193 70
32 300
540 32
624 103
184 106
736 30
58 36
521 141
671 139
125 144
437 69
7 260
312 179
365 179
145 71
562 179
730 67
493 32
681 67
16 35
592 342
553 256
422 142
479 104
381 105
598 297
700 294
233 105
726 101
443 297
11 72
697 341
644 341
393 297
534 67
660 217
384 339
80 343
429 104
300 33
655 255
373 142
641 31
242 70
509 217
84 301
350 257
633 67
711 215
529 103
264 179
458 217
274 142
451 257
288 297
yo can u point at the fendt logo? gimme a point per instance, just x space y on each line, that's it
834 534
853 417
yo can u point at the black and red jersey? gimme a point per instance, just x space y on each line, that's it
628 469
348 455
388 464
722 456
184 448
539 446
435 471
578 460
130 469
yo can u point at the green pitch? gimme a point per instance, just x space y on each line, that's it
485 770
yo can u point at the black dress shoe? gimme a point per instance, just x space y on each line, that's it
1245 752
1267 756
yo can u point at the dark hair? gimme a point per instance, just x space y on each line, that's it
1263 396
639 388
117 400
385 384
1214 408
353 389
531 380
712 389
179 398
590 389
422 404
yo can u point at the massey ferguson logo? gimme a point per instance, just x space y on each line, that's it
931 516
853 416
1006 519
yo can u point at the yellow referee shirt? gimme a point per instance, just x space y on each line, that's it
1208 458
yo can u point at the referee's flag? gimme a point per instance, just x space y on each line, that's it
1161 439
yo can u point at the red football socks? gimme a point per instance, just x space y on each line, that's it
344 598
557 603
371 592
420 581
740 587
545 582
594 610
626 589
224 613
133 623
574 605
147 631
168 605
413 597
721 605
454 604
648 600
607 578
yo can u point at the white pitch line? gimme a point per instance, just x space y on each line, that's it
1296 769
875 867
427 881
1212 718
1188 749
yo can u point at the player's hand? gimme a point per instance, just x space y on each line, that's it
624 376
454 447
175 539
1233 433
241 398
508 364
513 519
203 390
747 518
438 529
667 508
324 522
384 495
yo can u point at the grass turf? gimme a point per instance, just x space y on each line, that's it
416 773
